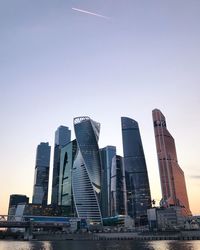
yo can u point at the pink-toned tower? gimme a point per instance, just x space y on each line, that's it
172 178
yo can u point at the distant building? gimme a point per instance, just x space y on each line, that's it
86 172
137 182
165 219
65 195
107 154
41 180
62 137
41 210
172 178
16 199
118 187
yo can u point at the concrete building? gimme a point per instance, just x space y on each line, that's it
165 219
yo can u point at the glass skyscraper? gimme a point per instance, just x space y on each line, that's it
137 182
172 178
62 137
86 171
118 187
107 154
41 180
65 197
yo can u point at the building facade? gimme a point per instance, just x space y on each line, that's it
41 179
62 137
118 187
107 154
137 182
65 195
172 178
86 171
16 199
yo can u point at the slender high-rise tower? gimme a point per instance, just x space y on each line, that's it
172 178
86 172
62 137
137 182
107 153
118 187
65 196
41 180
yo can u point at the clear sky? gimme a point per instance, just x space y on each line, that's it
57 63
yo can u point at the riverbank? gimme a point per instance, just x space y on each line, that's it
147 236
182 235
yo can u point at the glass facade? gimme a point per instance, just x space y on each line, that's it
16 199
65 197
107 155
171 175
62 137
137 182
118 187
41 180
87 170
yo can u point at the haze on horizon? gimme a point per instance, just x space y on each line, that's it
57 63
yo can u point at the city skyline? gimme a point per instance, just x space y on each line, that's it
57 63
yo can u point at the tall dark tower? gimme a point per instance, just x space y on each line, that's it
171 175
137 182
107 154
62 137
41 181
118 187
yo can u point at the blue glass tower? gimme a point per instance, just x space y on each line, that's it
65 197
137 183
41 180
86 171
62 137
107 155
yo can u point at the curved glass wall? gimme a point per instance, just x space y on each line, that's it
137 182
87 170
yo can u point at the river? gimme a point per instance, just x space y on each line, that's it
100 245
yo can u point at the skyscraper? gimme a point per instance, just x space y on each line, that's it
118 187
171 175
62 137
41 180
107 154
86 171
137 182
65 197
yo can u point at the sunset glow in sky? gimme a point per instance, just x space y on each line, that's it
114 58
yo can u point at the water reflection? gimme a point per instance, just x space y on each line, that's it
174 245
100 245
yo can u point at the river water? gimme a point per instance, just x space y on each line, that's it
99 245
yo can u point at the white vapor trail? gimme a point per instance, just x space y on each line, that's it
90 13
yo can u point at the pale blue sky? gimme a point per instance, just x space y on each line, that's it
57 63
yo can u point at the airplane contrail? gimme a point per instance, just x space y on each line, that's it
90 13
